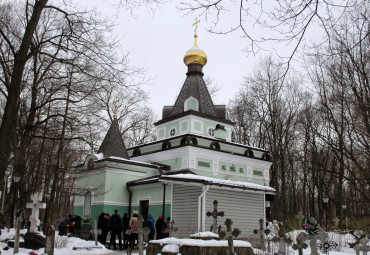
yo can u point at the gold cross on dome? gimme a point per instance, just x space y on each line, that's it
195 24
115 103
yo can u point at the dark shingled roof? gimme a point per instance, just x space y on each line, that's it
194 86
113 144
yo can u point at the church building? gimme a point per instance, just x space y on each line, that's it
192 163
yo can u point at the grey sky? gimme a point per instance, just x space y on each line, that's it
158 40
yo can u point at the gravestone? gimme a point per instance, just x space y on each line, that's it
336 223
320 236
229 235
262 233
50 240
283 239
17 233
300 245
215 214
362 246
35 206
141 231
172 228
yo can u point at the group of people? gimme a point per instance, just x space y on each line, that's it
161 228
117 225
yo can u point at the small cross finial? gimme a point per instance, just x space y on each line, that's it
195 24
115 103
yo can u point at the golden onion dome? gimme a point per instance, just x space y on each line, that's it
195 55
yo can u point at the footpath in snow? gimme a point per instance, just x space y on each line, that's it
64 245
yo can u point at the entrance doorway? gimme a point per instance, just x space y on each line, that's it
144 208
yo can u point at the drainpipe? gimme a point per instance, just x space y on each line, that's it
200 214
129 200
164 199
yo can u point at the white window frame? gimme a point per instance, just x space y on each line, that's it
172 128
208 129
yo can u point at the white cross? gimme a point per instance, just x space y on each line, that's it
35 206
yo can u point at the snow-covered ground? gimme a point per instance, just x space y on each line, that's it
65 245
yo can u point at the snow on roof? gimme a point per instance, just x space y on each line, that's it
205 234
200 243
133 161
214 181
99 156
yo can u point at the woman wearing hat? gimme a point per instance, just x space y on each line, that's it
160 227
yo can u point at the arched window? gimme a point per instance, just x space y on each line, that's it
166 145
87 205
215 146
90 164
136 152
249 153
189 139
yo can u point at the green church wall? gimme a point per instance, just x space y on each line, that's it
197 126
203 142
184 125
174 163
161 133
78 210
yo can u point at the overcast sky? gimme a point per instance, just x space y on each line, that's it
158 41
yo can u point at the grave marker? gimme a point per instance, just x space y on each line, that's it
262 233
17 233
35 206
300 245
141 231
283 239
229 235
215 214
50 240
362 246
320 236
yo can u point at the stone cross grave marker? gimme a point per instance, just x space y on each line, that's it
283 239
50 240
17 234
35 206
141 231
262 233
322 236
96 232
229 235
362 246
172 228
215 214
336 223
300 245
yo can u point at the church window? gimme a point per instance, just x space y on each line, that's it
241 170
90 164
223 167
87 205
232 168
191 104
211 132
172 132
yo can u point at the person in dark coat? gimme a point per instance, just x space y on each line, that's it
126 228
63 225
115 224
105 229
101 223
150 225
160 227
